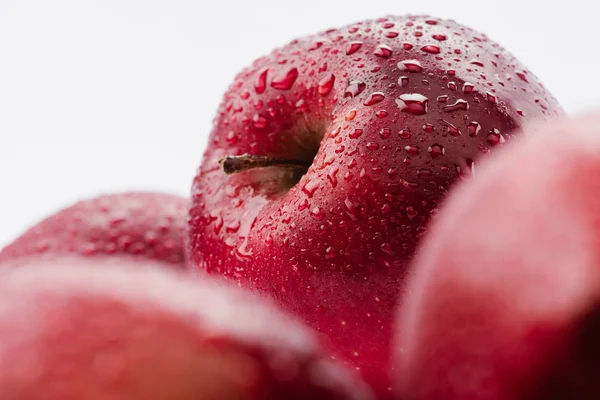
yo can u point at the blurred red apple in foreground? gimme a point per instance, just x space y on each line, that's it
93 329
505 298
139 224
335 150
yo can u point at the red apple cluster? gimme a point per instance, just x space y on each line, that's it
319 256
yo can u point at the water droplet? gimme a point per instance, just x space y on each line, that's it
381 114
413 150
391 34
413 103
354 88
407 46
260 84
477 62
285 82
315 46
259 121
431 21
460 104
452 130
335 132
326 84
320 308
473 128
428 128
231 137
372 146
350 115
494 137
310 289
330 253
491 97
405 133
541 103
522 75
385 133
436 151
383 51
244 95
468 88
439 37
332 175
452 86
310 187
374 98
442 99
387 25
403 81
356 133
317 213
520 112
431 49
410 66
353 47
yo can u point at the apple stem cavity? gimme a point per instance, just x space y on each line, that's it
245 162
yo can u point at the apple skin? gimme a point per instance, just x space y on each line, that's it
504 298
99 329
333 245
135 224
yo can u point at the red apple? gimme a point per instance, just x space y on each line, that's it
140 225
504 302
75 328
334 152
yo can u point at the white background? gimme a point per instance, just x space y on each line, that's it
112 95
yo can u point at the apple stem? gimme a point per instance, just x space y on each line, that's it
235 164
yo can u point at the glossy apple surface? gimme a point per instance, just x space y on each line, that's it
360 132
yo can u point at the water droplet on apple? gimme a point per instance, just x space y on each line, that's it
260 84
439 37
431 49
413 150
436 151
354 88
285 81
405 133
477 62
473 128
468 88
326 84
491 97
494 137
385 133
353 47
317 213
412 103
410 66
374 98
259 121
310 187
522 75
403 81
407 46
350 115
460 104
310 289
383 51
442 99
330 253
356 133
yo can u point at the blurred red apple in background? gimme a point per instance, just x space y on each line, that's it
335 150
139 224
504 301
102 329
